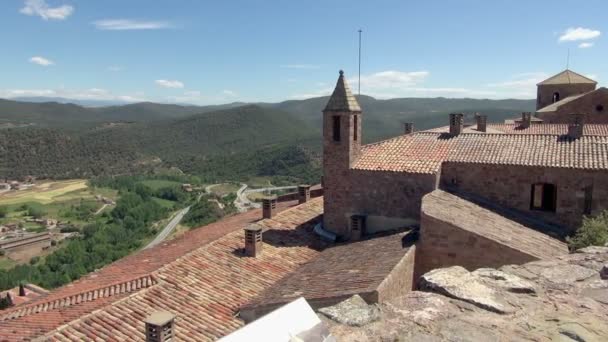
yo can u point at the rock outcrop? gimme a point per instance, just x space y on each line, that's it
565 299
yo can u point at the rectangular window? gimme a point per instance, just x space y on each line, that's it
336 127
543 197
356 127
588 200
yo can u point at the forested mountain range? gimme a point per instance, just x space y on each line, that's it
56 140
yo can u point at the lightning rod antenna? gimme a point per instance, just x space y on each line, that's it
359 83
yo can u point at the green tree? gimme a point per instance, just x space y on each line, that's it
3 211
593 232
35 211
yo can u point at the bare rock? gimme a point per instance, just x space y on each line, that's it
458 283
567 274
593 250
500 279
353 312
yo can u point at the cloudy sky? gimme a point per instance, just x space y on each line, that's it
207 52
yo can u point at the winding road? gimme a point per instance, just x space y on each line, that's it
168 228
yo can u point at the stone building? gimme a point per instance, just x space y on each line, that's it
567 93
554 172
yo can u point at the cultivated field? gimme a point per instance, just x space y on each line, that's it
44 193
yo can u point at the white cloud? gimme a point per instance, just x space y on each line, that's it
391 80
76 94
130 24
525 80
41 61
169 83
585 45
300 66
43 10
399 84
229 93
578 33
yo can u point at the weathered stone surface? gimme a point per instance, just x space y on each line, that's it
353 312
593 250
458 283
573 309
567 274
509 282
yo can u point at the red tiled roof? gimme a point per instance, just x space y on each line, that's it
551 129
339 271
423 152
181 270
491 225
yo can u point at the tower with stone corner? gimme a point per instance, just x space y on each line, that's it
558 87
341 148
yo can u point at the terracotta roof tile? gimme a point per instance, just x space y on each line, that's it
202 277
469 216
339 271
423 152
567 77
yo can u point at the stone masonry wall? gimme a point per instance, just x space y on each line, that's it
544 95
389 199
400 280
337 159
442 244
589 105
511 186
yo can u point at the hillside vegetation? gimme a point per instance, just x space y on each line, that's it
226 142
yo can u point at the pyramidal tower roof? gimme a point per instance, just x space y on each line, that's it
567 77
342 99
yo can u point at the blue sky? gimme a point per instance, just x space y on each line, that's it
207 52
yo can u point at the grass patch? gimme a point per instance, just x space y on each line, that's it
44 193
225 189
6 263
259 182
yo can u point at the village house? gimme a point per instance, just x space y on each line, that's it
479 195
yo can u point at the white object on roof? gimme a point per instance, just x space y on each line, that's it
293 322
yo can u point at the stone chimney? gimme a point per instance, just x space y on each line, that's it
160 327
269 206
357 227
408 127
253 240
482 122
526 119
303 193
456 123
575 127
21 290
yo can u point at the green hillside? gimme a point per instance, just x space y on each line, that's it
223 142
54 153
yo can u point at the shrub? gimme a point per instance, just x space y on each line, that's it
3 211
593 232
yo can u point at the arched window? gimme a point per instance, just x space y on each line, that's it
555 97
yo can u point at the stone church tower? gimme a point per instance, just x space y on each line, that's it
562 85
341 148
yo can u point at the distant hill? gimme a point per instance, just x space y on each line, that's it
66 140
383 118
47 152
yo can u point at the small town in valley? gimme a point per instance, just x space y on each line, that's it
384 207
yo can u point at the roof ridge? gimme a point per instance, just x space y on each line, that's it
116 288
95 312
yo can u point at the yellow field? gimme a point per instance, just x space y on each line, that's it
44 193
